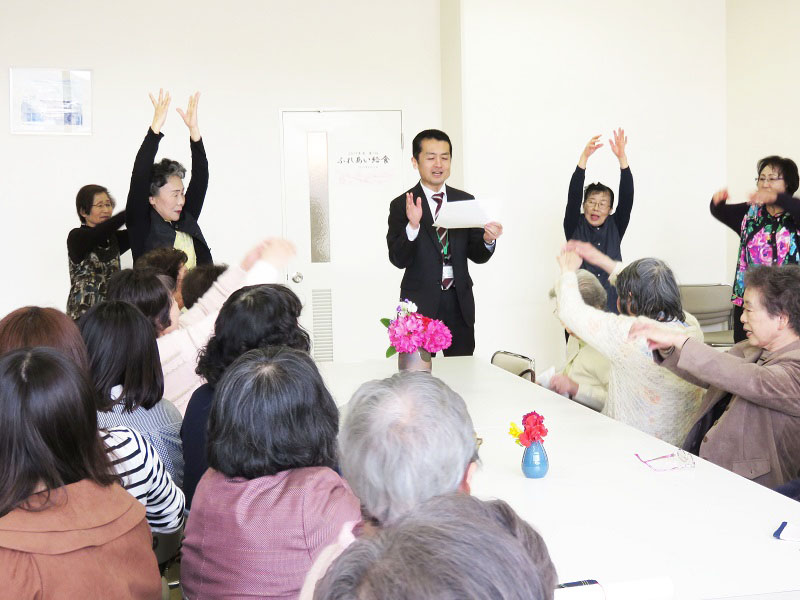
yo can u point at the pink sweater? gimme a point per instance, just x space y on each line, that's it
259 537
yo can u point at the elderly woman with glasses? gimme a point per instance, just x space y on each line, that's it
93 248
596 225
767 225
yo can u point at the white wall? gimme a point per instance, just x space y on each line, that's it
540 78
763 88
250 58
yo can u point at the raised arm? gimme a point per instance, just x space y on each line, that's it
572 214
622 215
81 240
196 192
728 214
784 201
137 207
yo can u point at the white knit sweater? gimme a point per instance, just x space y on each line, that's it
640 393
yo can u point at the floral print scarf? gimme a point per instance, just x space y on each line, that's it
766 240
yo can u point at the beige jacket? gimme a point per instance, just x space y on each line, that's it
758 434
590 370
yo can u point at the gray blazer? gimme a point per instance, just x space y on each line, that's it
758 434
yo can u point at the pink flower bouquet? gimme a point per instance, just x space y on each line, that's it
410 331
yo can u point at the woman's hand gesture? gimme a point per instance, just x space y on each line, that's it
591 147
160 106
618 147
190 116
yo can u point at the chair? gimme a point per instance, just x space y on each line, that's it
711 305
519 365
167 548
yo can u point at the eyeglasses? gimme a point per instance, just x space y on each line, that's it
103 205
595 204
764 180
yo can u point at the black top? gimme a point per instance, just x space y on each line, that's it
193 436
81 240
608 236
733 214
146 228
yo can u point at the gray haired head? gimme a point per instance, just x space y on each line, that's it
162 171
592 291
403 440
647 288
452 546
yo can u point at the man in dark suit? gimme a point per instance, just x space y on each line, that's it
436 276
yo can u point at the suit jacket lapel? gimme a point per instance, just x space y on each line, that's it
427 217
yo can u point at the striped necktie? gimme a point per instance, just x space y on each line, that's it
441 232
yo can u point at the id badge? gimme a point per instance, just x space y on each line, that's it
447 272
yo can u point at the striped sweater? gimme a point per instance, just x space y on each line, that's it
144 476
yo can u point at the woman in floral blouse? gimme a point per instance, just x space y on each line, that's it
768 225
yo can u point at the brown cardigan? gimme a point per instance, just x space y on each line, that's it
758 435
91 542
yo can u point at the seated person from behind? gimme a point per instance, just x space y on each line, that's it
415 416
596 224
167 261
749 421
270 500
639 394
452 546
67 528
198 281
584 377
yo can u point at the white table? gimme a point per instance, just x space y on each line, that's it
603 514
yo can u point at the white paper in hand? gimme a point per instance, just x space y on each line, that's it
462 214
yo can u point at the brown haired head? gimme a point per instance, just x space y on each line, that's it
36 326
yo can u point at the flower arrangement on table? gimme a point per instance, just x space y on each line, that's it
410 332
533 429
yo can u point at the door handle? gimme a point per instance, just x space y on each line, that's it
297 277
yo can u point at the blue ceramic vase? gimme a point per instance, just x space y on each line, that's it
534 461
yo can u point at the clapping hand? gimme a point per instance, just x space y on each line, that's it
275 251
618 147
591 255
160 106
190 116
413 210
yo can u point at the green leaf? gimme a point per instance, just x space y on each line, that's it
386 322
390 351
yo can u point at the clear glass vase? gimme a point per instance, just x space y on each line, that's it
535 463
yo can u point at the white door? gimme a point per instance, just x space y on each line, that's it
341 169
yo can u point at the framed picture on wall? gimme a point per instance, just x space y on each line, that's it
50 101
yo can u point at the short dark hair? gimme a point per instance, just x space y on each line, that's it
787 168
597 187
431 553
48 427
271 412
429 134
123 351
198 281
84 200
256 316
147 290
166 260
162 171
647 288
36 326
779 287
